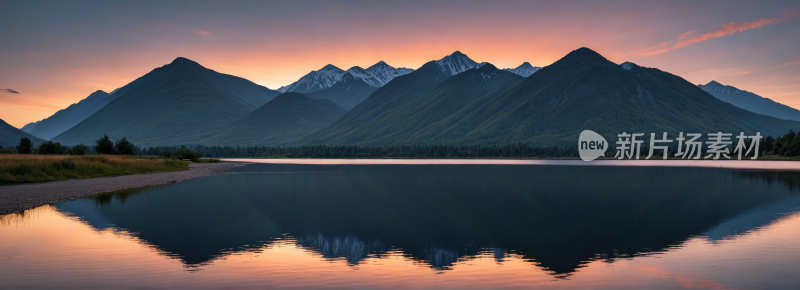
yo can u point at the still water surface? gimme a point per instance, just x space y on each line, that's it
420 226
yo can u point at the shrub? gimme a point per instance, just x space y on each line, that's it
25 145
79 150
49 147
186 153
124 147
104 145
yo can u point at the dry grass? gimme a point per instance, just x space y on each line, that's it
18 169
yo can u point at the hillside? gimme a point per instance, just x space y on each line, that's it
9 136
170 103
288 116
750 101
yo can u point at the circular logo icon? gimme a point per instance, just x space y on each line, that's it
591 145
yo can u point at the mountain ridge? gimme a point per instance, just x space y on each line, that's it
10 136
750 101
68 117
170 103
376 75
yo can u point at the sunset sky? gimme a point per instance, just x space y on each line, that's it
55 53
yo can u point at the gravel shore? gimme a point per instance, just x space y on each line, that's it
16 198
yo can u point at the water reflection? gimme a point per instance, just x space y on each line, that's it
556 217
352 249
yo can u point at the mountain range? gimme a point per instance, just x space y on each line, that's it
750 101
453 100
582 91
376 75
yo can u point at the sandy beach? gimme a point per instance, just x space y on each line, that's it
15 198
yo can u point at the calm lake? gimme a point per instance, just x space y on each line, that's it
327 224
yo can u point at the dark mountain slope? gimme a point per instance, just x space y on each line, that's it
9 136
177 101
347 93
288 116
64 119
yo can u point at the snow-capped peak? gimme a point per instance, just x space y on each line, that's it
315 80
456 63
525 69
376 75
384 73
365 75
713 86
627 65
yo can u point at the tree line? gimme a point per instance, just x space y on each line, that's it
787 145
518 150
104 145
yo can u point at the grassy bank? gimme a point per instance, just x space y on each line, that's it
18 169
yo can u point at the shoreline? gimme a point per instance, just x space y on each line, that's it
17 198
781 165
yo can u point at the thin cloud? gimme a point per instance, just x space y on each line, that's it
721 73
202 31
730 28
742 73
11 91
685 34
785 64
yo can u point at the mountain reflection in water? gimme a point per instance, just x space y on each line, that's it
556 217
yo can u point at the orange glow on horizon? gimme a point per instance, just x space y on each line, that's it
53 71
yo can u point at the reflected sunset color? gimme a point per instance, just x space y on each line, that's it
115 258
455 231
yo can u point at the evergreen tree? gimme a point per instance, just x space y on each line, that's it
124 147
25 146
104 145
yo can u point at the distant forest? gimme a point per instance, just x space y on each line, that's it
787 145
323 151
